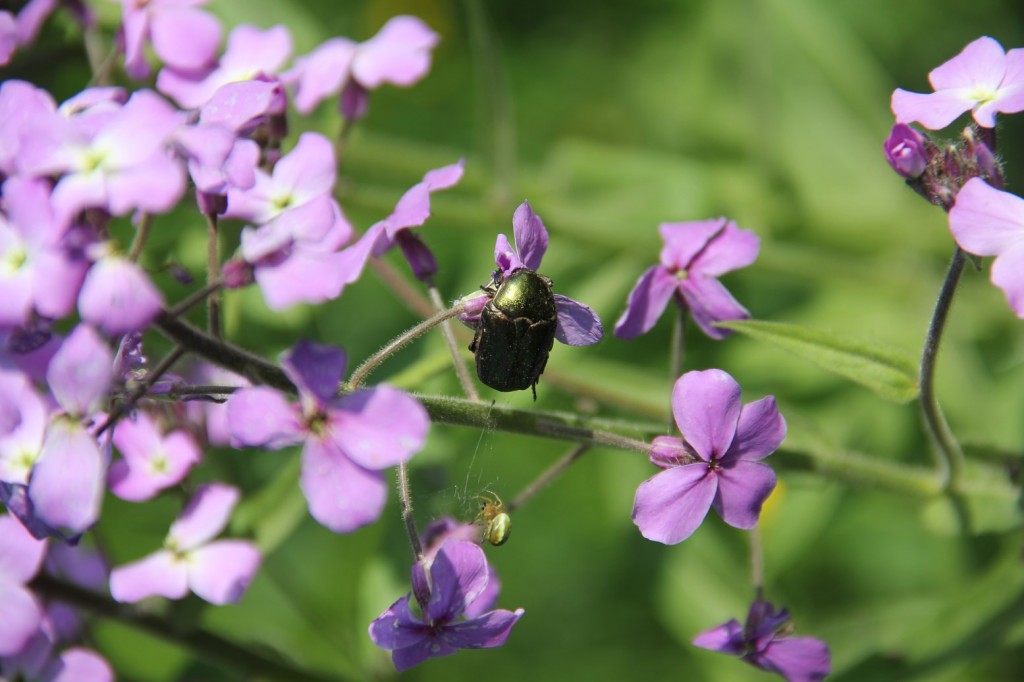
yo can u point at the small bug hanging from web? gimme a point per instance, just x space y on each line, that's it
494 518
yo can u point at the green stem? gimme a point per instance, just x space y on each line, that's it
468 387
545 479
399 342
676 363
139 240
949 456
205 644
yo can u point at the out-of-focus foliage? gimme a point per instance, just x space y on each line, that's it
611 118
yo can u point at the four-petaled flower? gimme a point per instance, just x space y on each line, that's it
982 79
764 643
348 440
694 256
715 463
218 571
458 578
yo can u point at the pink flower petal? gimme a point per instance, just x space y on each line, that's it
683 241
760 431
671 505
379 427
22 617
1008 275
21 555
159 574
342 496
709 302
184 37
221 571
81 371
707 408
321 73
984 220
646 302
262 417
399 54
118 296
205 515
309 170
979 66
731 249
82 665
742 490
66 487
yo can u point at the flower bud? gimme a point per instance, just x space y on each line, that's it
906 150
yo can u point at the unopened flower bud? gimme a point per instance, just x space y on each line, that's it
906 150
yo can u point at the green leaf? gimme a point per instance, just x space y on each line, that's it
890 373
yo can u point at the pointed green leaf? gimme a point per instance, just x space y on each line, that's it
890 373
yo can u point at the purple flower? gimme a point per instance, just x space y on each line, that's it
67 481
218 571
399 54
22 106
764 643
347 440
182 36
412 210
458 576
21 555
907 151
989 222
23 419
118 296
111 158
982 79
715 463
694 256
152 461
251 52
578 325
37 272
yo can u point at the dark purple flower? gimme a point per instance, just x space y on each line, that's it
714 464
906 150
218 571
578 325
399 54
348 440
764 642
695 255
982 79
458 577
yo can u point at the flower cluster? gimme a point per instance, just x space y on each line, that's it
966 178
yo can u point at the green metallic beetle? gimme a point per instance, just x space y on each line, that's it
516 331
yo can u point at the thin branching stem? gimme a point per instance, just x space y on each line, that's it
399 342
549 475
139 240
461 371
213 324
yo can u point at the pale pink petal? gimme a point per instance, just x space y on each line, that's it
379 427
342 495
205 515
262 417
154 186
321 73
184 37
399 54
81 665
159 574
118 296
81 371
221 571
66 487
21 619
21 555
980 65
309 170
934 110
1008 275
984 220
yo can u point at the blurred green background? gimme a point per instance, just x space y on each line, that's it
611 118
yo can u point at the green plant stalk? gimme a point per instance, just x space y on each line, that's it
461 371
949 457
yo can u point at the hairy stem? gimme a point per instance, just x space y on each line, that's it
949 456
399 342
461 371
